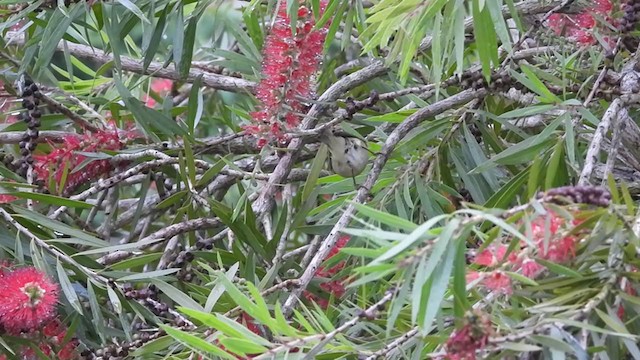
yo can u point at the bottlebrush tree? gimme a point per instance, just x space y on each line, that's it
164 193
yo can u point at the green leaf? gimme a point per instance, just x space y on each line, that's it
524 150
57 25
410 239
51 199
555 170
521 278
218 289
96 311
559 269
486 37
438 289
500 25
535 84
149 119
242 346
314 173
58 226
589 327
385 218
67 288
178 37
227 326
134 9
552 343
195 343
527 111
189 42
114 300
195 106
156 38
148 275
427 268
176 295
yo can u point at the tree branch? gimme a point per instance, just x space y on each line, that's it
155 68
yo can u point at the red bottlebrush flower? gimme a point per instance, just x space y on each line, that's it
160 87
496 281
471 337
27 299
579 27
335 287
530 268
627 286
6 198
51 343
249 323
65 156
288 66
322 271
493 256
554 248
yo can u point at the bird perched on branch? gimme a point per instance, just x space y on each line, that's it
349 155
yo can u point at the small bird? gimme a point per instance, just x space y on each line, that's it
349 155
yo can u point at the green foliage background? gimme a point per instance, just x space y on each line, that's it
442 132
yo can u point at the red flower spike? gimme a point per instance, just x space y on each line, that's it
335 287
52 345
65 155
549 244
498 281
7 198
27 299
161 87
249 323
493 256
555 248
288 67
579 27
530 268
495 280
471 337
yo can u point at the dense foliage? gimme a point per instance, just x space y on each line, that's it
164 194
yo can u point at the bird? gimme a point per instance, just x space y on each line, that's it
349 155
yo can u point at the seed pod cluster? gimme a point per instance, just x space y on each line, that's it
500 81
149 297
9 162
609 88
122 350
628 23
31 116
592 195
472 79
